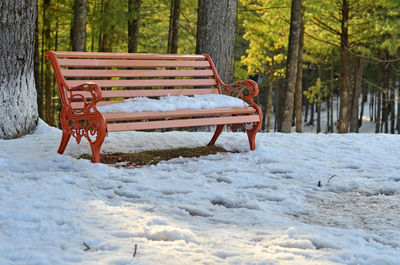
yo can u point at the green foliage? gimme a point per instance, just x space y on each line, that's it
372 26
317 92
266 25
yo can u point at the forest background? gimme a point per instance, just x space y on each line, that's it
349 52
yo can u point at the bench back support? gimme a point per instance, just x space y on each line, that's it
150 75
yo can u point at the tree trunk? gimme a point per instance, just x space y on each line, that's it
392 99
291 68
329 101
306 112
331 119
106 27
319 117
269 104
173 27
345 66
385 98
47 73
299 79
398 110
359 69
38 84
133 24
378 112
215 34
18 108
312 110
318 103
78 29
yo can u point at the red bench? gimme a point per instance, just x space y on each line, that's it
89 80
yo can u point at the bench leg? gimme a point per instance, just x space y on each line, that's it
100 134
251 134
217 133
64 141
95 146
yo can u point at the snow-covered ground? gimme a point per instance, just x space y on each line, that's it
252 207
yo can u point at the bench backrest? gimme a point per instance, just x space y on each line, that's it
125 75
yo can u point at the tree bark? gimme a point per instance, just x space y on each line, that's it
173 27
378 112
47 73
133 24
358 74
38 84
78 29
299 79
18 107
312 111
215 34
345 84
105 39
269 104
291 68
318 117
398 110
306 112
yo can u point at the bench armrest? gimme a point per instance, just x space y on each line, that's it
81 94
245 90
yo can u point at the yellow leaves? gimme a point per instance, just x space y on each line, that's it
316 93
280 58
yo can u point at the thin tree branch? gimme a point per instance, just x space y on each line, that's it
320 40
323 25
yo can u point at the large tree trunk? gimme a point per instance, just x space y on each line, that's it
78 29
299 80
173 30
215 34
133 24
291 68
345 70
18 108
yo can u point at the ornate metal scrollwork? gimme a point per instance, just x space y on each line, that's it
84 120
245 90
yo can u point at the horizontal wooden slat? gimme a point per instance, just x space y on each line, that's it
130 63
157 92
123 116
128 55
148 93
79 104
149 125
134 73
145 83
